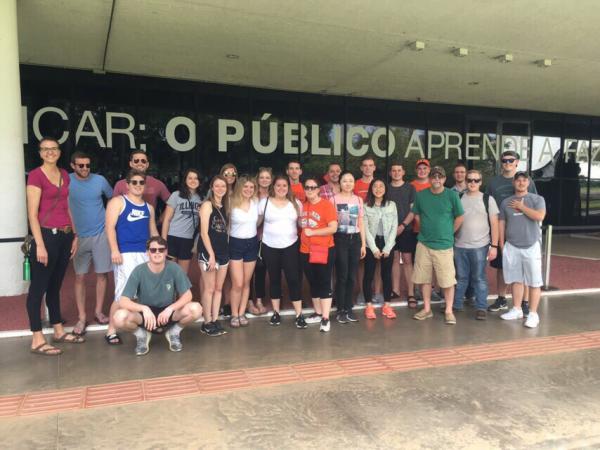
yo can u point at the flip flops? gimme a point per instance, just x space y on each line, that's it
48 351
101 318
64 339
113 339
80 328
412 302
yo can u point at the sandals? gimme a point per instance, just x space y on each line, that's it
261 308
80 328
243 321
101 318
412 302
113 339
68 338
49 350
252 309
235 322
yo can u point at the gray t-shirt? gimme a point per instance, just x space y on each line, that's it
475 229
403 196
157 289
501 188
520 230
185 220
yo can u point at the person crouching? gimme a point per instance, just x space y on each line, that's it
163 299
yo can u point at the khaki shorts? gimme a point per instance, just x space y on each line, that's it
428 260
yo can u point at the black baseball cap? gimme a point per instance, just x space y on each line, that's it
520 174
510 153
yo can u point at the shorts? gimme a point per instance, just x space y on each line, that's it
246 249
222 259
427 260
496 263
180 248
92 248
156 310
523 265
406 242
122 271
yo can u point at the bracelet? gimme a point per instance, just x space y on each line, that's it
494 246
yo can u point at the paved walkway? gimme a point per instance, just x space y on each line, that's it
374 384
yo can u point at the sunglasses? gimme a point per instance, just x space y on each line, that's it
508 160
157 249
229 174
81 166
311 188
473 180
140 160
136 182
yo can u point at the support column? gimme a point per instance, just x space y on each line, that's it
13 223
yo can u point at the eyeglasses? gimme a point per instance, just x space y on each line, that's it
140 160
473 180
49 149
81 166
311 188
508 160
229 174
157 249
136 182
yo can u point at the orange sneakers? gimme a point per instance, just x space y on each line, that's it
388 312
370 312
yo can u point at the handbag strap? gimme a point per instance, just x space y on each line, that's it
55 199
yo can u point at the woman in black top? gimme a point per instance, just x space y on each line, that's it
213 253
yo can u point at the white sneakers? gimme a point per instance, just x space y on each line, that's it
533 320
512 314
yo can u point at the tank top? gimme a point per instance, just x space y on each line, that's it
133 227
217 233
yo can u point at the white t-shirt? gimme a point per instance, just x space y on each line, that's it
243 223
280 228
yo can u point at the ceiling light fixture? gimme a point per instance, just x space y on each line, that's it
232 56
461 52
418 46
544 63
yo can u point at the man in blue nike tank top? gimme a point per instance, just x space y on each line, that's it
129 224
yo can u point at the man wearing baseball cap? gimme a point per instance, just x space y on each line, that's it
519 237
440 213
501 187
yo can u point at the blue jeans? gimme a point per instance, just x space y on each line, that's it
470 270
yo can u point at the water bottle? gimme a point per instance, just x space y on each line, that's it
26 269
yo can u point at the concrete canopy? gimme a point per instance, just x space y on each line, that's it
349 47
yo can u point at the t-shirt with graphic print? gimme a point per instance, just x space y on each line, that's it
184 223
349 210
157 289
316 216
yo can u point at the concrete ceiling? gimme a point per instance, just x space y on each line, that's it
343 47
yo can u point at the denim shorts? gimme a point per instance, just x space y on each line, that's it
246 249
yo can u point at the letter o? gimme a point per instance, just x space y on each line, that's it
170 133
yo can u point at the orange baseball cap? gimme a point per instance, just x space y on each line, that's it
423 161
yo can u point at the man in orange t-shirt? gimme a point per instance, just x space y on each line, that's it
367 168
294 171
421 182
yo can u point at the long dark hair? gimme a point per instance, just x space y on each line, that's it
371 198
184 191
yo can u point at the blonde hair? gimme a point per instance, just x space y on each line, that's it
236 197
474 171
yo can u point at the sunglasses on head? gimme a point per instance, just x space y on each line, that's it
473 180
157 249
508 160
136 182
229 174
311 187
140 160
81 166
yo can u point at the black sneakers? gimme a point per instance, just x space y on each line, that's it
350 317
525 308
341 317
499 304
325 325
276 319
300 322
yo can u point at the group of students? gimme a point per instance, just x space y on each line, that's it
245 229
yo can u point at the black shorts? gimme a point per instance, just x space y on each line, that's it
156 310
180 248
406 242
497 262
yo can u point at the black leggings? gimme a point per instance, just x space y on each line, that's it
287 259
48 279
347 256
260 275
386 272
319 275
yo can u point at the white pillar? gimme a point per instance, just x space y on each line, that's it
13 223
